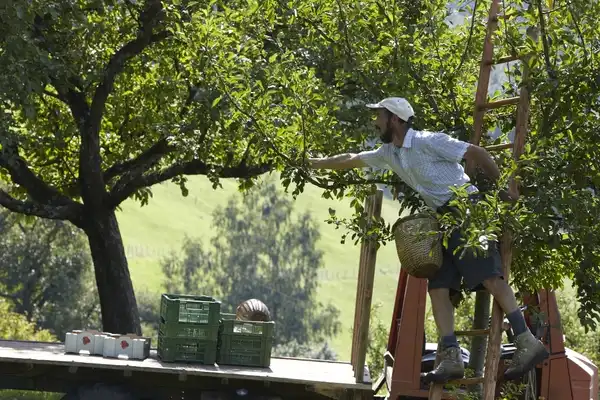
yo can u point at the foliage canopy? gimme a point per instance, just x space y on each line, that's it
102 100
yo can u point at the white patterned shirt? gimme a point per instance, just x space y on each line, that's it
428 162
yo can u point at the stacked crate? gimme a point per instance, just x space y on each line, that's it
188 329
245 343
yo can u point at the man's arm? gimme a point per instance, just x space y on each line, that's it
481 157
341 161
368 158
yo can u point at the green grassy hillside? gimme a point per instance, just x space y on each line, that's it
153 231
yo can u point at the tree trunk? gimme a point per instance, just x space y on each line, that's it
478 344
115 289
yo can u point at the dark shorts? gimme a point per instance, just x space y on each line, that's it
470 269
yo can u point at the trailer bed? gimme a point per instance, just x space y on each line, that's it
320 375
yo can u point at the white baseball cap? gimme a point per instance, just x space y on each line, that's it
397 105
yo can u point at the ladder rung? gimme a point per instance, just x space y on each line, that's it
473 332
499 103
463 381
506 59
467 381
497 147
504 16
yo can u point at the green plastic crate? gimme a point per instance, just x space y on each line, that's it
175 308
188 331
247 343
187 350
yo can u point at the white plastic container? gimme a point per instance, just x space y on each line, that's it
99 344
141 348
126 347
90 342
84 342
71 342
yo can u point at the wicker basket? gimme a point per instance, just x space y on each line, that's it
420 253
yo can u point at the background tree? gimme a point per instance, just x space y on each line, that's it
262 250
15 326
45 273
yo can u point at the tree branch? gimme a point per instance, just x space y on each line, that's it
148 157
61 212
115 66
90 159
195 167
321 183
23 176
12 297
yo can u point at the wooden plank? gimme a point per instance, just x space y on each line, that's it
506 59
144 385
495 338
495 341
499 103
397 314
364 254
473 332
497 147
288 370
359 296
436 391
485 70
368 277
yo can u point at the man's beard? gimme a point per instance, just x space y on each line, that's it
386 136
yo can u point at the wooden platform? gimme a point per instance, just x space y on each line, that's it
324 374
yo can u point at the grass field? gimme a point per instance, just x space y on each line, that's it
153 231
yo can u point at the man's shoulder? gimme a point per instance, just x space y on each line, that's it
425 137
428 135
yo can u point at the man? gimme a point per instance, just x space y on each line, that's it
430 163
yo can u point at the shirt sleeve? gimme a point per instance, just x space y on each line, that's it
446 147
374 158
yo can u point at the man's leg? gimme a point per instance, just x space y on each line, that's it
451 365
443 314
487 271
505 296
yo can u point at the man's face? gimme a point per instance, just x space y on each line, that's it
384 124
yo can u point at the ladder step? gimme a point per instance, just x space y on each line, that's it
463 381
473 332
497 147
503 60
499 103
504 16
467 381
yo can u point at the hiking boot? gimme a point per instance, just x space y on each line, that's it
451 367
530 352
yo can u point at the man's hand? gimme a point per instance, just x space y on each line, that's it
509 195
513 194
477 155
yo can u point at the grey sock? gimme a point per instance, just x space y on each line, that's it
517 322
449 341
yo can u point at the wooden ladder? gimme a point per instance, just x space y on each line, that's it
494 333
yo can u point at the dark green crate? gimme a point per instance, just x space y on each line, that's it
190 309
187 350
247 343
186 330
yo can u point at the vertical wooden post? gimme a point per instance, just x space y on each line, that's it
495 342
359 288
364 291
485 70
